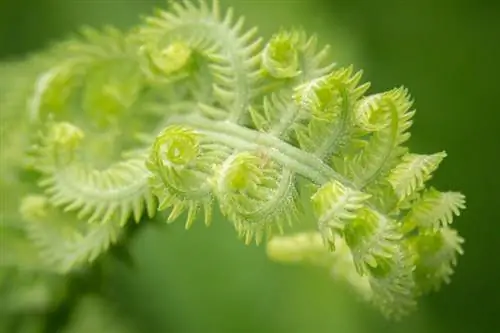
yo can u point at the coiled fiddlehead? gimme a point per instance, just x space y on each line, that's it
233 55
97 195
76 174
256 194
87 153
182 162
202 112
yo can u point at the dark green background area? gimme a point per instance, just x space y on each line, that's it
205 280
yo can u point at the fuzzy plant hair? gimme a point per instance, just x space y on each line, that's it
191 111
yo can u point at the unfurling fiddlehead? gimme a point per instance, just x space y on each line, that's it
256 194
189 111
182 162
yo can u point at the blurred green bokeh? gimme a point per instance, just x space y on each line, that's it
205 280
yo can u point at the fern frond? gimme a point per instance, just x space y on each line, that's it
181 163
384 147
280 57
373 239
436 255
295 132
392 284
198 111
115 193
414 170
279 111
292 54
369 116
335 206
87 58
65 242
313 59
167 61
234 55
256 194
329 101
434 209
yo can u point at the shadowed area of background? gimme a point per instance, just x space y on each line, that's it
205 280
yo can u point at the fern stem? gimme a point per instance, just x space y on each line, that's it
294 159
242 138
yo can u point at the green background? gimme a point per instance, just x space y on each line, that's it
205 280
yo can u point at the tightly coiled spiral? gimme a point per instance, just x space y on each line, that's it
256 194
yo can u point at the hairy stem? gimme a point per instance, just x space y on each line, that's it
242 138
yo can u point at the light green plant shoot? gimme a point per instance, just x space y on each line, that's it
190 111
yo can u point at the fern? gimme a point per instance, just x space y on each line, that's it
99 195
189 110
436 256
391 114
233 55
411 174
335 206
434 209
65 243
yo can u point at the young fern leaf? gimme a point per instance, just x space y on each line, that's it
436 255
167 61
379 253
391 116
280 57
279 110
294 55
373 239
234 55
215 117
410 175
335 205
434 210
65 242
256 194
181 163
103 84
393 285
77 60
328 101
115 193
